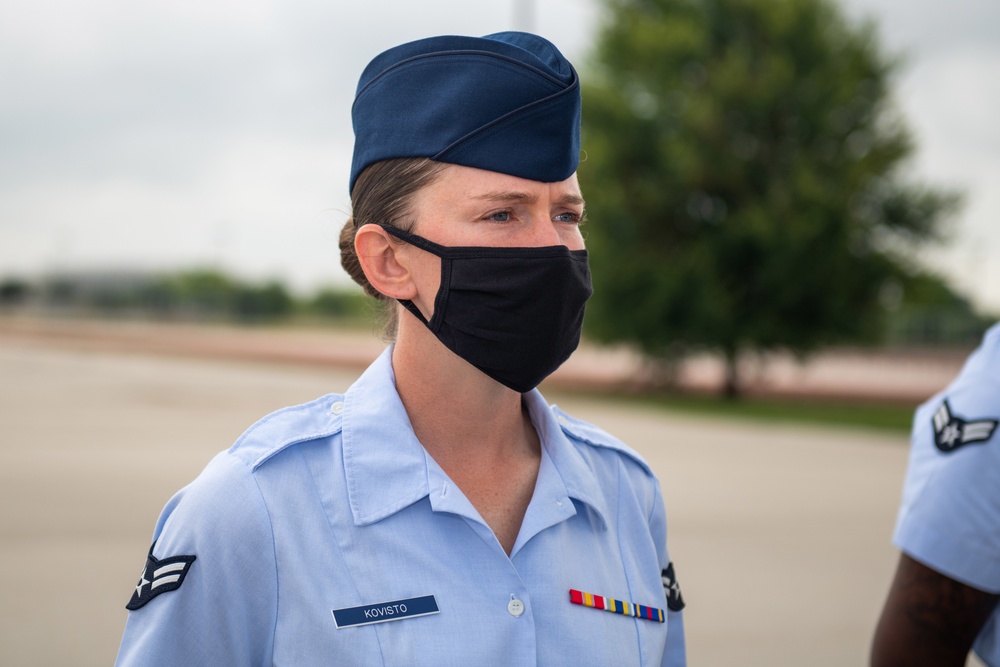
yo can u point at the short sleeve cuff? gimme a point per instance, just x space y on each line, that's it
942 552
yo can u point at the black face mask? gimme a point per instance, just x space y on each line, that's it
513 313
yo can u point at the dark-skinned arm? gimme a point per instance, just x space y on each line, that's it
928 619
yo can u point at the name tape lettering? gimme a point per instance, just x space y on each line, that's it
384 612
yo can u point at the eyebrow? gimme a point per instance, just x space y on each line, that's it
526 198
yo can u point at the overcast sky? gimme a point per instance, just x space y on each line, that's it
174 133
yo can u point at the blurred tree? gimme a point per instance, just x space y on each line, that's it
923 310
212 294
340 303
14 291
203 293
744 171
270 301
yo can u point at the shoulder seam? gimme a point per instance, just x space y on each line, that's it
245 441
567 422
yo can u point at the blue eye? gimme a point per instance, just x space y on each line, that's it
499 216
570 217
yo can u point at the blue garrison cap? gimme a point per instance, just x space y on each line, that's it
508 102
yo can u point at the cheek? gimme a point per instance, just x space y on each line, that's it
426 272
572 238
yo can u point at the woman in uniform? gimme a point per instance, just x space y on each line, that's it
439 512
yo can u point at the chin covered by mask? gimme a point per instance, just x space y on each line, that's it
516 314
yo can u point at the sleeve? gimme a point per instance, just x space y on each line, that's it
950 518
208 592
675 651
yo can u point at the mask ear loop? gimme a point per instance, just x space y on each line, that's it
418 241
442 295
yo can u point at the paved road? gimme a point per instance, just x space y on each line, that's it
901 376
780 534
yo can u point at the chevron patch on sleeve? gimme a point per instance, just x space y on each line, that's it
159 576
952 431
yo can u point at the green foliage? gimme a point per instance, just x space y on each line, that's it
340 304
887 416
212 294
199 294
743 172
14 292
924 311
269 301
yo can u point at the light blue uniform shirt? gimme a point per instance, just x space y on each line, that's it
335 504
950 514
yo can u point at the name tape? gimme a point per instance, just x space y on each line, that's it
383 612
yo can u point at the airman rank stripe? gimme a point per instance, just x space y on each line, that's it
160 575
952 431
615 606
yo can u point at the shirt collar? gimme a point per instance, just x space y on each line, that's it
386 467
577 476
384 463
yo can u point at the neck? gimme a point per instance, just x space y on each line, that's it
456 410
477 430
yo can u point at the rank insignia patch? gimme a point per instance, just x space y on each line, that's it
159 576
672 589
952 432
616 606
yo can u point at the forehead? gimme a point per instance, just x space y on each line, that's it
457 183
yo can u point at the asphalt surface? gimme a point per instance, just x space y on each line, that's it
896 376
780 535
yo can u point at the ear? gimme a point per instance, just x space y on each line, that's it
385 262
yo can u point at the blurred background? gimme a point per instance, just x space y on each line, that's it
140 140
791 203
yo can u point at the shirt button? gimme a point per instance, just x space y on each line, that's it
337 408
515 607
